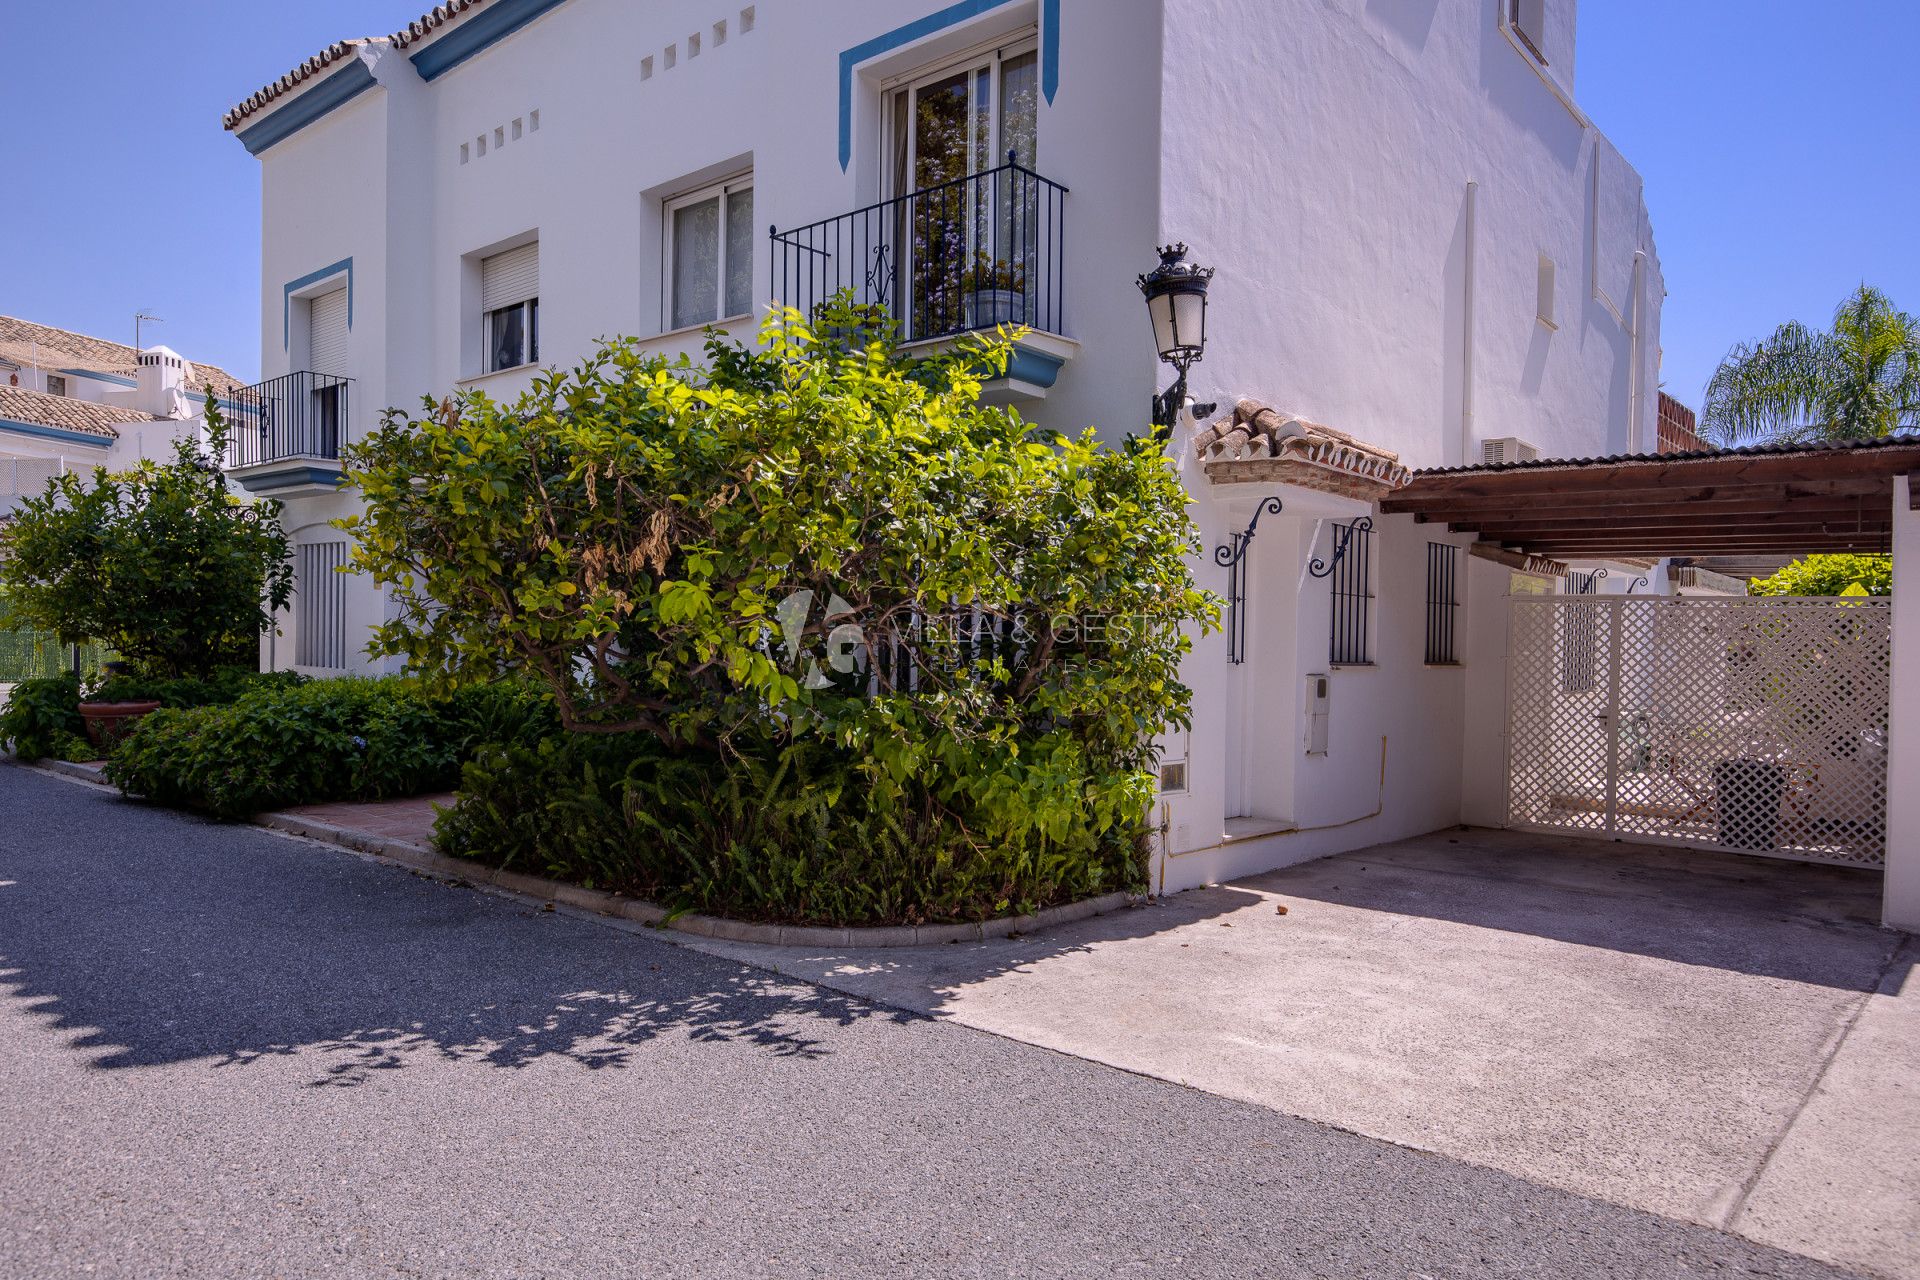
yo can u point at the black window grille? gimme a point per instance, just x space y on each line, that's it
1352 579
1443 602
1579 632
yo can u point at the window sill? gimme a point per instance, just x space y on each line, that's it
1444 666
1352 666
1547 77
478 378
724 323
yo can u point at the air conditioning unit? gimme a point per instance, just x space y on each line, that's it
1504 450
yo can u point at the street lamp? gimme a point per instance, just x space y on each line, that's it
1176 293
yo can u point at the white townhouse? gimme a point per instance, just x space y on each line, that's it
1419 239
70 402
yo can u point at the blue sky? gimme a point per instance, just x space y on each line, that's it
1773 136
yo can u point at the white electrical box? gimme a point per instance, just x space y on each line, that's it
1316 704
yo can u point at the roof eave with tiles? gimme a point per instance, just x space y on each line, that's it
419 31
269 94
1258 444
88 417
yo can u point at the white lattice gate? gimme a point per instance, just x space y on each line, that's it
1754 724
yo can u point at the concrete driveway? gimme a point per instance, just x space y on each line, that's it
1726 1040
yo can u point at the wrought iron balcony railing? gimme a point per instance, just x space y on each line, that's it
972 253
299 415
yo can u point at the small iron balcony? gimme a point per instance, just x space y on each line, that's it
298 416
968 254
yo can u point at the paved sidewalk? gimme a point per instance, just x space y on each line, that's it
232 1053
409 820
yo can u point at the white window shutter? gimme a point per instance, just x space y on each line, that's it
327 333
510 277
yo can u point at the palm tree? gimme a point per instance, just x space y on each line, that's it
1858 381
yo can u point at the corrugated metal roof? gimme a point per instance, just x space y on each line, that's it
1909 440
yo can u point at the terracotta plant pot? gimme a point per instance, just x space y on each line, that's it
108 722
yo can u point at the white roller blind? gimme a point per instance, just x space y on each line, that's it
510 277
327 334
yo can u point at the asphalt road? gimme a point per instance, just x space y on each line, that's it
228 1053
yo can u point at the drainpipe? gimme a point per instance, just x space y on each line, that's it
1466 335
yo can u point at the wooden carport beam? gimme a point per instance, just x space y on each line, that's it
1835 523
1824 504
1789 544
1433 505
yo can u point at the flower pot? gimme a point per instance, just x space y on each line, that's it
108 722
989 307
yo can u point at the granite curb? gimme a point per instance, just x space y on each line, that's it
600 902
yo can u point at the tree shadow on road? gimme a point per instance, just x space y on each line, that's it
152 938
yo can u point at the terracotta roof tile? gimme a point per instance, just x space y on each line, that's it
337 52
20 405
421 28
23 343
432 20
1258 443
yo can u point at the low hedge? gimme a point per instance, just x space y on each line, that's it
42 716
787 833
289 744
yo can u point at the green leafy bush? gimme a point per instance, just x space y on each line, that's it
160 563
792 834
701 556
290 744
42 718
225 685
1828 575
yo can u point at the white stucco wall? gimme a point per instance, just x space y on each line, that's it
1318 154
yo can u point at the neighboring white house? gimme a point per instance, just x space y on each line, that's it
69 402
1420 240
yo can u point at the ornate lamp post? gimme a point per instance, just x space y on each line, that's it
1176 293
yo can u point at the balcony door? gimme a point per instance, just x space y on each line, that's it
964 244
319 429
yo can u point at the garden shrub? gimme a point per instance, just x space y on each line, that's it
42 718
792 833
227 684
160 563
1828 575
868 631
291 744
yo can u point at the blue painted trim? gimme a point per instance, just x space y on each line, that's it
299 474
45 432
1035 367
312 278
477 34
97 376
951 16
1050 49
341 87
